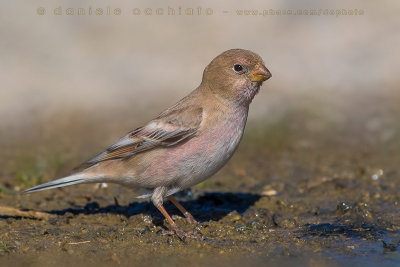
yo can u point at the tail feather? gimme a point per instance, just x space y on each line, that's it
69 180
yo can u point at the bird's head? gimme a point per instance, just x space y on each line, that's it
236 75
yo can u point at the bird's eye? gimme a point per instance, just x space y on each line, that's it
237 67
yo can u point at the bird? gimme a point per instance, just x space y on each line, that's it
185 144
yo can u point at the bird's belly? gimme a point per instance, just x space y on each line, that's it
207 154
202 156
190 163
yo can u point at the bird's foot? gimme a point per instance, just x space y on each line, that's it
189 218
177 217
182 234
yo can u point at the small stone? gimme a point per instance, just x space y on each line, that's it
270 192
147 219
377 174
236 218
343 207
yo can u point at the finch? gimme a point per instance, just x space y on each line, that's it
185 144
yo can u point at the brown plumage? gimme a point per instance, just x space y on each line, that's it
166 130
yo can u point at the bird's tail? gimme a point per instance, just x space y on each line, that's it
78 178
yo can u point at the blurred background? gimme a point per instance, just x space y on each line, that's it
72 83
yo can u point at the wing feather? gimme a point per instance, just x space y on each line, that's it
169 129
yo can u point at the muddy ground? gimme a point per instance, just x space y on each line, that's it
318 186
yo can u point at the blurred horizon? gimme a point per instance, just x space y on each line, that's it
77 77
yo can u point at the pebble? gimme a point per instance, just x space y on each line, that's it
270 192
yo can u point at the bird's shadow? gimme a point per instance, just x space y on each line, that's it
207 207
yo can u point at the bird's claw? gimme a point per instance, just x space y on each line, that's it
182 234
189 218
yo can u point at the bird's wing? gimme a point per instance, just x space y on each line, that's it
168 129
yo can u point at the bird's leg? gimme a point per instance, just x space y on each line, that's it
179 232
157 199
189 217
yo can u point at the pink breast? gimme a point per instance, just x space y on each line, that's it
213 144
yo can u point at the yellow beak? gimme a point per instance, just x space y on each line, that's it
260 73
